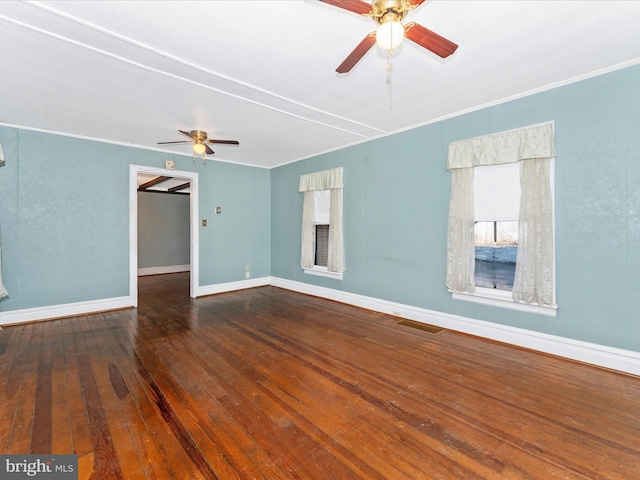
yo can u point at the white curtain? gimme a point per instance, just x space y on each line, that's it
533 147
504 147
335 262
308 214
533 281
460 244
326 180
3 291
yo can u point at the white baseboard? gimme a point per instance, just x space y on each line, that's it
231 286
85 308
162 270
64 310
608 357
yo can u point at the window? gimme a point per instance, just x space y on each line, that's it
496 207
499 182
496 250
322 240
321 245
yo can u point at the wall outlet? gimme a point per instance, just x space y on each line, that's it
169 164
247 270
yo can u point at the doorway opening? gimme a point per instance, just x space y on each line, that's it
192 178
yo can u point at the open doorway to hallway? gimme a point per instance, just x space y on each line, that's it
149 181
163 225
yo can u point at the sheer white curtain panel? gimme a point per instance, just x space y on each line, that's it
335 262
533 283
460 241
308 215
3 291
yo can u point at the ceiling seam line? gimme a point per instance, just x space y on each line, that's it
186 63
171 75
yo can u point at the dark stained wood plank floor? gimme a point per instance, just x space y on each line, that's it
271 384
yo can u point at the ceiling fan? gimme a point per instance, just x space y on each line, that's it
200 142
388 14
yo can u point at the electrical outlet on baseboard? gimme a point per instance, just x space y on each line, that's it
247 270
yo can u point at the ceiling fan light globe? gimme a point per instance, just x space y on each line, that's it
390 35
199 148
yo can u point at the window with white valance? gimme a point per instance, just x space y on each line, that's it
322 237
532 149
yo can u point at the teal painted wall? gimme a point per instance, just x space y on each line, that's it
64 218
64 221
163 230
241 234
396 201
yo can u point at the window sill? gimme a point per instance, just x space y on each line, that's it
503 299
323 272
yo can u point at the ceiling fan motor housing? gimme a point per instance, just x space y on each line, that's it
384 11
198 135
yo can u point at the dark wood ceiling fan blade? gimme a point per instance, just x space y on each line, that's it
429 40
208 150
188 134
169 143
224 142
355 6
358 52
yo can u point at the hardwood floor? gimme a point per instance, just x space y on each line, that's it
271 384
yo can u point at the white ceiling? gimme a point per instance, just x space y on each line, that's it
263 72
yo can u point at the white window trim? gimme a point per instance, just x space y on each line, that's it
503 299
323 272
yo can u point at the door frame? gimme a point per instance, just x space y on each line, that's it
194 239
